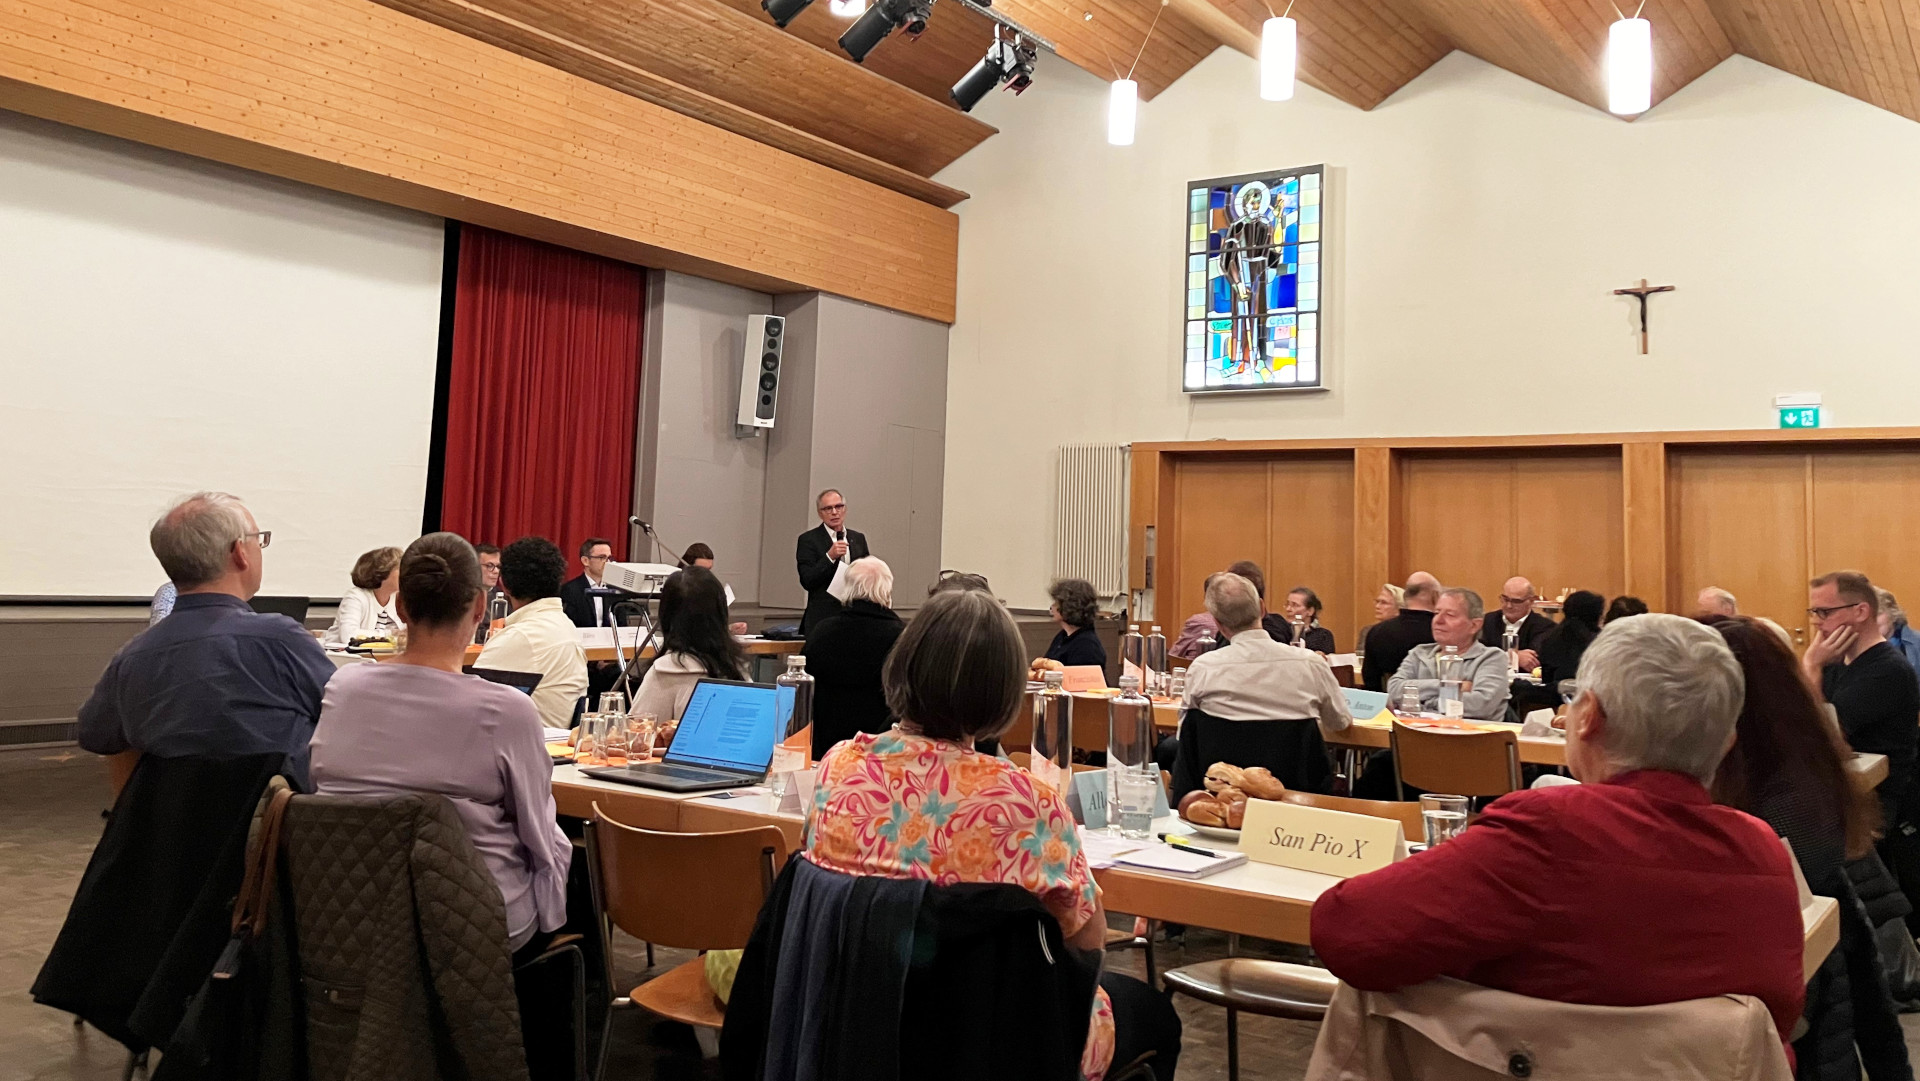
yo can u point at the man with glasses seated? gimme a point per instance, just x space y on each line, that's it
1869 683
215 679
820 552
584 596
1516 614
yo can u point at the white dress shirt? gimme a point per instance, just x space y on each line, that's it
361 614
540 638
1254 678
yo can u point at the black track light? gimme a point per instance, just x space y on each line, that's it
882 19
783 11
1010 62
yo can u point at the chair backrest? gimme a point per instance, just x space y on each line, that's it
1343 675
695 891
1408 813
1460 763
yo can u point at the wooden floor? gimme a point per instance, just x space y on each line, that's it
50 806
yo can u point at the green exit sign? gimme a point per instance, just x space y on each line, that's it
1800 417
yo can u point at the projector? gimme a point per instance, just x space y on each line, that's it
637 577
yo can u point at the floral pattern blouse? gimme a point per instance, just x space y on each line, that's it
905 806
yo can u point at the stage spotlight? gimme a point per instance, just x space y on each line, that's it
783 11
1006 61
882 19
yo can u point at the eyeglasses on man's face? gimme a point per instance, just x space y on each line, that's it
265 535
1827 613
1513 602
829 508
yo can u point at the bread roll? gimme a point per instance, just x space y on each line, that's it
1221 775
1192 798
1236 814
1230 795
1260 783
1207 813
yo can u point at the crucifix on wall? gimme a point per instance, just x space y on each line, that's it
1640 293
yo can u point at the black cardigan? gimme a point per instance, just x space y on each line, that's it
1082 647
845 652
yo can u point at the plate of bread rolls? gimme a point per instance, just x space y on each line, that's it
1218 809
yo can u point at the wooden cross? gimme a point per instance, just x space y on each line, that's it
1640 293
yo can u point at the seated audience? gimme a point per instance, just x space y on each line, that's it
1075 606
694 644
1273 623
1562 647
1198 628
1869 683
1516 613
162 604
538 636
1893 625
215 679
1630 889
417 724
366 609
1389 643
1714 601
1386 606
1622 607
489 556
1256 679
583 597
697 555
918 801
1483 668
959 581
1304 604
845 652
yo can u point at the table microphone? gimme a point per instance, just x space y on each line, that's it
658 546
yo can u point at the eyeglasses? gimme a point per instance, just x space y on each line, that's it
265 535
598 559
833 506
1504 599
1823 613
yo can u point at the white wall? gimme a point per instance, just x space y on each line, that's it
1479 225
168 325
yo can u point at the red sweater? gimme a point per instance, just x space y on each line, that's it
1633 892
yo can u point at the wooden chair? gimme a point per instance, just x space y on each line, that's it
1269 988
1408 813
695 891
1343 675
1460 763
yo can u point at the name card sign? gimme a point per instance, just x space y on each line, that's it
1083 677
1314 839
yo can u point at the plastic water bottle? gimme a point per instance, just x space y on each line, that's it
1051 756
1156 682
1510 640
1300 632
1129 743
1447 665
1133 654
791 753
496 611
1205 643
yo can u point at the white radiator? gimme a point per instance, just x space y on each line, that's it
1090 504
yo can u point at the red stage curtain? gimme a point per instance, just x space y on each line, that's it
542 396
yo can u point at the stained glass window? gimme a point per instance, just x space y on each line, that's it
1253 282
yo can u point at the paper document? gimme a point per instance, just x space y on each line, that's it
556 735
1178 860
837 589
1103 850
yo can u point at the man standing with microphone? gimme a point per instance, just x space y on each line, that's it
821 552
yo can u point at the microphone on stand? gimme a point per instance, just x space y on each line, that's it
658 546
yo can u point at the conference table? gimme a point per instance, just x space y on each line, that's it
755 647
1254 899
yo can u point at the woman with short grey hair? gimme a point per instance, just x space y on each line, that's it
918 801
845 652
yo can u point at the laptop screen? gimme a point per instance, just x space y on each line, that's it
731 725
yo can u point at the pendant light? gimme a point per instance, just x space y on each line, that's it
1279 57
847 9
1123 98
1630 66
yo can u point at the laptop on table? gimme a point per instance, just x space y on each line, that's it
725 740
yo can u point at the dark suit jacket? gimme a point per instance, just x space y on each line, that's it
816 570
1389 642
1532 629
1280 629
577 602
844 655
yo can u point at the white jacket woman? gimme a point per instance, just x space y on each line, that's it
367 608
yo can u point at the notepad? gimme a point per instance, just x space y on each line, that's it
1181 862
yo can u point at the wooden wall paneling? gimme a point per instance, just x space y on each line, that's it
1737 519
1457 521
955 39
1644 541
1570 516
353 96
1220 516
626 70
1143 502
1375 497
732 57
1310 520
1865 516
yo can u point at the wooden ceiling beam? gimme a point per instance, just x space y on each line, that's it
955 39
575 58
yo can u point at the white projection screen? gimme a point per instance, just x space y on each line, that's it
169 325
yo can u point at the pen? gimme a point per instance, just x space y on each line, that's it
1182 842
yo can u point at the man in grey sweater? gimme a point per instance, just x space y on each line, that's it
1483 668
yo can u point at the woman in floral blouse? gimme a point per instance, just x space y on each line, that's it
919 802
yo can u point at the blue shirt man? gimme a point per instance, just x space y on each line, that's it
215 678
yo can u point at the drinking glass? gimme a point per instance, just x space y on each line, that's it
641 732
593 730
613 702
1443 816
1177 684
1135 813
613 738
1409 699
1450 702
